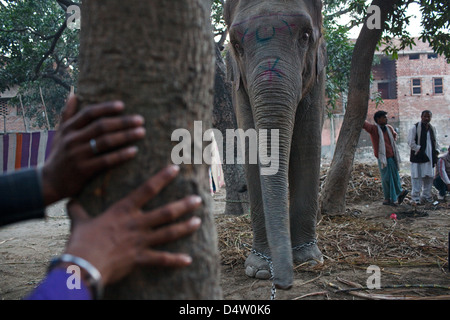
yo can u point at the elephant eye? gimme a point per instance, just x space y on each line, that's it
305 36
238 48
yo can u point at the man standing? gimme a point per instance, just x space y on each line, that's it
383 138
442 179
424 152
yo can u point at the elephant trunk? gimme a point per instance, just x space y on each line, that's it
275 204
274 106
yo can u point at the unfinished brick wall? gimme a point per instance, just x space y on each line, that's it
418 63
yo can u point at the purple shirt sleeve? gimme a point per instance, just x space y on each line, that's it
55 287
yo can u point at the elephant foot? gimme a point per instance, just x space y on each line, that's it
257 267
308 253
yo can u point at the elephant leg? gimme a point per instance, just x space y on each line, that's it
304 173
255 265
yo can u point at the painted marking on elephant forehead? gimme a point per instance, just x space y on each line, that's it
271 70
265 16
256 33
259 39
246 35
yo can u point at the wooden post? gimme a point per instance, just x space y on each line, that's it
45 109
23 113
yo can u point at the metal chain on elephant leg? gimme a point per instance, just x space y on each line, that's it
305 245
266 258
237 201
273 291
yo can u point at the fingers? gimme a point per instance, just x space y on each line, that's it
108 142
151 187
164 259
108 160
173 232
76 212
164 235
112 132
92 112
171 212
114 140
92 136
70 109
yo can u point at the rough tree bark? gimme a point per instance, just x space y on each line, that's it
333 193
224 118
157 57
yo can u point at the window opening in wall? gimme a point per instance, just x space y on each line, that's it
383 89
4 110
416 86
432 56
438 86
387 90
414 56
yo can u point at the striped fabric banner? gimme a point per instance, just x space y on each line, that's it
24 150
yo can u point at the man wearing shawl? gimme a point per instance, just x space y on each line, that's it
442 178
383 138
424 156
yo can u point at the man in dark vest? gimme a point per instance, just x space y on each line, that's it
423 157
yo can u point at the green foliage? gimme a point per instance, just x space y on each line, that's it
339 51
436 24
217 20
37 50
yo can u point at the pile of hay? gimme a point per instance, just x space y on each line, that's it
357 241
234 233
348 239
365 183
344 240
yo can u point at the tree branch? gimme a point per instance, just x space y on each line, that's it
51 50
66 3
57 80
339 13
27 29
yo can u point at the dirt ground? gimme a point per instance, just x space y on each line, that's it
411 252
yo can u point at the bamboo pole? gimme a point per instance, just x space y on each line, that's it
23 114
45 109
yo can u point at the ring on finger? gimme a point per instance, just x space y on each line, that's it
93 144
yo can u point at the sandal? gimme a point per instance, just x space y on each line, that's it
402 196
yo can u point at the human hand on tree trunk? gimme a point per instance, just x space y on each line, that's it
124 236
89 141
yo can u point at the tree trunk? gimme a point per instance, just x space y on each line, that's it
338 176
224 118
157 57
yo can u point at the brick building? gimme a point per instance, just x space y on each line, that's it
418 80
11 117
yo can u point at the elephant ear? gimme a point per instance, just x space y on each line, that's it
228 11
322 57
233 73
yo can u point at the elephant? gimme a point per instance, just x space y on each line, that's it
276 62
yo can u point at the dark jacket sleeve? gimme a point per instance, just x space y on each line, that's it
21 196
